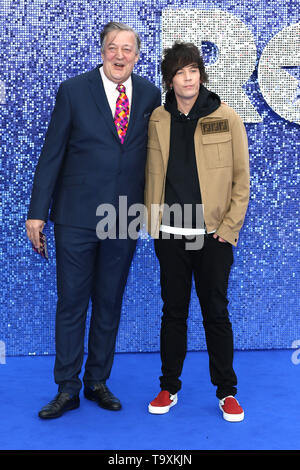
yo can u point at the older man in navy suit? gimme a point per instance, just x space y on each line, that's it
94 152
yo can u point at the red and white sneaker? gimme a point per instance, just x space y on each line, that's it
232 411
162 403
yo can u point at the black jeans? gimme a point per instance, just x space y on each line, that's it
211 267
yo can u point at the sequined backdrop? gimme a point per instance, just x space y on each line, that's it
43 43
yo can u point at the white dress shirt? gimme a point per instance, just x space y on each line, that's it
112 92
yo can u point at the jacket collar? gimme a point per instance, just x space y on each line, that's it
162 121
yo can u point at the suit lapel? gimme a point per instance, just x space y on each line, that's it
97 89
163 128
99 95
135 103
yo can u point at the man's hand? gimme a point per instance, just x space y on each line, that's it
220 239
33 228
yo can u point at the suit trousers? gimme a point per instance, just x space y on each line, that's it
88 269
210 266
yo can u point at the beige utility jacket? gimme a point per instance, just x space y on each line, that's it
222 157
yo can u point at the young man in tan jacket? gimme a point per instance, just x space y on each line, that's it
197 158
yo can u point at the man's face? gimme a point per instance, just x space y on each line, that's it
186 82
119 55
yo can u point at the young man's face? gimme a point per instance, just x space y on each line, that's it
186 82
119 55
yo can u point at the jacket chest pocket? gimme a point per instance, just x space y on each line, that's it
217 149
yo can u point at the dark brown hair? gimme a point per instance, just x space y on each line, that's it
178 56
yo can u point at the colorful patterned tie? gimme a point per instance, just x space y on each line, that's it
121 113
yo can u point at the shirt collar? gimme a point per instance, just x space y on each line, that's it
112 86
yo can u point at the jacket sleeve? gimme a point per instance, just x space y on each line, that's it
234 218
51 157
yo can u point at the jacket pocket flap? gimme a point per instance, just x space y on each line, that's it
216 138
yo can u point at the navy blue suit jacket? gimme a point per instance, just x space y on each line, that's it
82 163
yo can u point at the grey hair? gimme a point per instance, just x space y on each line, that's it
114 26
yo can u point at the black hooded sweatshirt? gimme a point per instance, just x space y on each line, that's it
182 183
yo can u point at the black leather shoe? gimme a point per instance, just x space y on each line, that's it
61 403
102 395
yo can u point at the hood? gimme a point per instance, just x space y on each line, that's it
206 103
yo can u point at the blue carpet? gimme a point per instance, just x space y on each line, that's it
268 389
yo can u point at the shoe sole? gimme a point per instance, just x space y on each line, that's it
73 407
161 410
232 418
